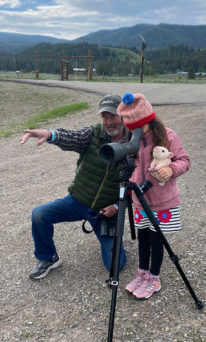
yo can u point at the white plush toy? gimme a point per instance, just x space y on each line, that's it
161 158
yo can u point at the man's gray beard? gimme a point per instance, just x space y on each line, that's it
112 134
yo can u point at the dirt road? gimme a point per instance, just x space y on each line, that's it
72 304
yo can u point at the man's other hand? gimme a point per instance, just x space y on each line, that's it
108 211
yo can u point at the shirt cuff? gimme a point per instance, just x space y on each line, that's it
52 137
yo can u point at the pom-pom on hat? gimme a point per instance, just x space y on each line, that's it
135 110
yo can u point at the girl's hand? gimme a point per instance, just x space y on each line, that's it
165 172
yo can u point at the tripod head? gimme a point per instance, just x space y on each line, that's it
127 171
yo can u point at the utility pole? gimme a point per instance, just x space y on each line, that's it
142 58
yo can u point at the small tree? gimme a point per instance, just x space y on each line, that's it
191 73
149 71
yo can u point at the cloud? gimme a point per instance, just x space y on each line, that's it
60 20
10 3
70 19
201 19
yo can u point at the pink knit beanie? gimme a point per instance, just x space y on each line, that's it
135 110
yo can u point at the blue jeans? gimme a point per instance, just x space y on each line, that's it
67 209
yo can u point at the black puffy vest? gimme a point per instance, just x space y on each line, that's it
96 183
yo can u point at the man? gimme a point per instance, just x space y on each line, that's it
94 190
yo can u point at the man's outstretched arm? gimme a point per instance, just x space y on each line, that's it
67 140
41 134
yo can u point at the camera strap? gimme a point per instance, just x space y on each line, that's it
107 227
86 231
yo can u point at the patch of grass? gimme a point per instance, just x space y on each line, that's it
54 113
163 78
199 339
4 133
28 335
37 120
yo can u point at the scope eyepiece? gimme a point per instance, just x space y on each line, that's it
117 151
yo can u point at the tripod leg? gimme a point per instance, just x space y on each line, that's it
113 283
173 257
114 273
130 214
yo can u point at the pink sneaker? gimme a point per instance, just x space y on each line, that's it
137 281
148 287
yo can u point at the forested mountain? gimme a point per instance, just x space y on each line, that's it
156 36
176 58
14 42
106 60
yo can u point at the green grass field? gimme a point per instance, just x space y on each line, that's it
163 78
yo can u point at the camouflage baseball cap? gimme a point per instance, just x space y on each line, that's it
109 103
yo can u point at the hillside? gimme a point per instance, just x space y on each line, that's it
156 36
110 61
106 60
169 48
14 42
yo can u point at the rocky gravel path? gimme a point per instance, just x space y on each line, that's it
73 303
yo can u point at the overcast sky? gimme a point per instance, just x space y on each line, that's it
70 19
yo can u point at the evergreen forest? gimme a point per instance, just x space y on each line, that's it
107 60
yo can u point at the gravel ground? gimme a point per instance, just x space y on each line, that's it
73 302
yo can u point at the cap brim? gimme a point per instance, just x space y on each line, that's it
109 109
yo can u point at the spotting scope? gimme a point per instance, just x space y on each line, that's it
117 151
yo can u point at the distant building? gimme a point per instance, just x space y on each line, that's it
182 73
82 69
200 74
79 69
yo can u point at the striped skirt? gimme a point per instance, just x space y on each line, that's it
168 220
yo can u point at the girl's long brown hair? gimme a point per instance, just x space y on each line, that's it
159 134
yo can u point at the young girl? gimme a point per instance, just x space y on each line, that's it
163 200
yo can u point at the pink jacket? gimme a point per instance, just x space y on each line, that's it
160 197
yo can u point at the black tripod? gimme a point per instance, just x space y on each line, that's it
124 202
